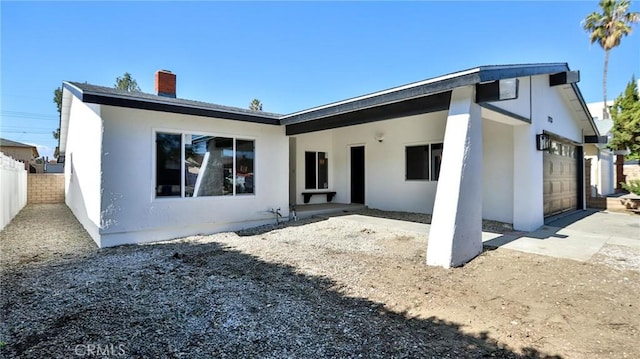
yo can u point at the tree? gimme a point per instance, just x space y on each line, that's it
255 105
608 28
127 83
626 121
57 98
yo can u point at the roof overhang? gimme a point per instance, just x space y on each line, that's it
167 104
420 97
423 97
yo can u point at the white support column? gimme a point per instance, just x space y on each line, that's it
527 179
455 236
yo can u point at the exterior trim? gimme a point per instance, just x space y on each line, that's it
502 111
416 106
596 139
398 101
161 104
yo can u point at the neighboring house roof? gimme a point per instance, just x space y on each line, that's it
8 143
419 97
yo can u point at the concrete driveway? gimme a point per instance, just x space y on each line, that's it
578 236
595 236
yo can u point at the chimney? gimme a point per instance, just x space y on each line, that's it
165 83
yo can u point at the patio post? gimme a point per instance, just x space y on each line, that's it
455 236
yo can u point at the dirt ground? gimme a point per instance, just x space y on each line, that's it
317 288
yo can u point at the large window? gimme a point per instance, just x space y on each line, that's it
423 162
190 165
316 170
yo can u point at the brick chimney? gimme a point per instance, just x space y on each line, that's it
165 83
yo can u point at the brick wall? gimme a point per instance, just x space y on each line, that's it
45 188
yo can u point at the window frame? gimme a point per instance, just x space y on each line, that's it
316 170
429 165
183 134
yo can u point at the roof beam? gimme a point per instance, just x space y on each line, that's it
596 139
498 90
564 78
416 106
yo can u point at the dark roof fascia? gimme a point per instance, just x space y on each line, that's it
410 107
130 101
502 111
500 72
382 99
405 92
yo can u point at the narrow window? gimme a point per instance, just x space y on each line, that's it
310 170
168 161
244 166
436 160
323 170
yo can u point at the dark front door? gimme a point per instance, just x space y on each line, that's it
357 174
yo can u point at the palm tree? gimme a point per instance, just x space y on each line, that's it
608 28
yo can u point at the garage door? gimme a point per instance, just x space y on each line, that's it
560 178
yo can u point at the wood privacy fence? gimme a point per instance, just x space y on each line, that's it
13 188
45 188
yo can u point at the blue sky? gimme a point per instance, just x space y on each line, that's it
290 55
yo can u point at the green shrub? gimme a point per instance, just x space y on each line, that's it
633 186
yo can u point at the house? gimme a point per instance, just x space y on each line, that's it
24 153
497 142
602 171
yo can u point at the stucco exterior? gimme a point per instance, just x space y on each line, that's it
110 176
386 187
478 133
83 173
129 209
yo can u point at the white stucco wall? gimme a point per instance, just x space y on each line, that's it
82 165
602 170
549 102
497 171
130 212
386 187
521 105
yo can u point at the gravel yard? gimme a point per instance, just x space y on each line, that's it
316 288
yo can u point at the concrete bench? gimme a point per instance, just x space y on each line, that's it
307 195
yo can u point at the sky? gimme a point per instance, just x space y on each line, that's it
290 55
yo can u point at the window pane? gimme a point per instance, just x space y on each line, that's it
168 158
208 166
309 170
417 165
323 170
436 160
244 166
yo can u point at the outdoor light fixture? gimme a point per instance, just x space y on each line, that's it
543 142
379 136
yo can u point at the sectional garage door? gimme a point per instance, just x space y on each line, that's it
560 178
